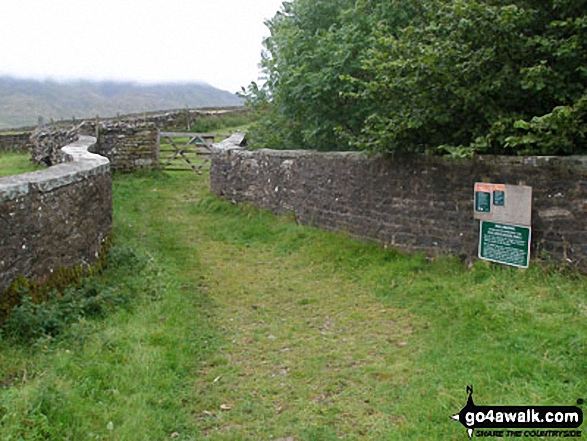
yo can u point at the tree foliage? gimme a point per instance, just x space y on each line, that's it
458 76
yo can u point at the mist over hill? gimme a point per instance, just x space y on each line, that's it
22 101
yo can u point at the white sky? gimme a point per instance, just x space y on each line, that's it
215 41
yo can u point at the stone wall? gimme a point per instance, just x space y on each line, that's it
129 148
176 120
129 142
55 218
415 203
165 121
15 141
47 144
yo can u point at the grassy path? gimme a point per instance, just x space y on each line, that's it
306 351
321 337
309 354
250 327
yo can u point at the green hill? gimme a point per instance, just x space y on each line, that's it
22 101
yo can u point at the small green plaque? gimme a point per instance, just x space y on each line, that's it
482 201
503 243
499 198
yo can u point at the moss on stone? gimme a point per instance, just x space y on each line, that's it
60 279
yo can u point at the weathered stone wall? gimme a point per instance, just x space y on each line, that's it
47 144
129 142
55 218
415 203
15 141
176 120
128 147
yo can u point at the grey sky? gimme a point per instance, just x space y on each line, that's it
216 41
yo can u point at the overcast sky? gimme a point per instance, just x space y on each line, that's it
215 41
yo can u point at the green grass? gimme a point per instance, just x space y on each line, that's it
14 163
123 377
247 326
223 123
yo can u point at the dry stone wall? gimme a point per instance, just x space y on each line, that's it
415 203
177 120
129 142
55 218
15 141
128 146
47 144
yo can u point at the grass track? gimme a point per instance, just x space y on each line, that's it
327 338
263 329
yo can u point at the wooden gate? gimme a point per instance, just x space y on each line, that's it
179 151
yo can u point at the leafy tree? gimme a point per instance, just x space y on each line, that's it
312 44
459 76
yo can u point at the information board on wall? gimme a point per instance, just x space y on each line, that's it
507 244
505 232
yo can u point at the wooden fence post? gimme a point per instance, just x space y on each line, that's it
158 149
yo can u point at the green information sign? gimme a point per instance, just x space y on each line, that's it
503 243
498 198
482 201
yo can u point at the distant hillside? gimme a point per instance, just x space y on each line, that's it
23 101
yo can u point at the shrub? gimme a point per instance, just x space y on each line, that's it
95 297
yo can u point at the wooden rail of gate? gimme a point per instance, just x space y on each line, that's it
193 155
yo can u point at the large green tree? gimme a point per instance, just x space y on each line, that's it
312 45
460 76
